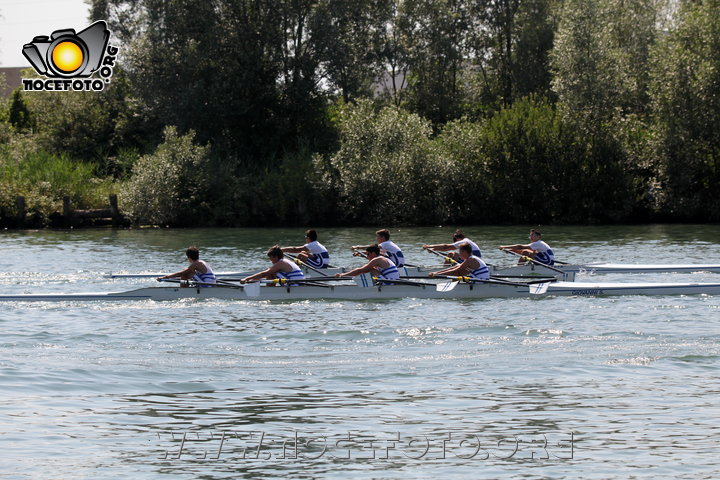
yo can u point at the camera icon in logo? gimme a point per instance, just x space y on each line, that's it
69 54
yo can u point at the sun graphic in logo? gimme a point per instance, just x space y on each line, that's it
67 56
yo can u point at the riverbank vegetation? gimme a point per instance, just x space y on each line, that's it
383 112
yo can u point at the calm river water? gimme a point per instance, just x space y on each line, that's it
623 387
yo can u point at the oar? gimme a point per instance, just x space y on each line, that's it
303 281
410 265
201 284
534 278
449 286
157 274
403 282
283 281
220 283
300 262
532 260
446 257
250 289
366 280
324 279
226 283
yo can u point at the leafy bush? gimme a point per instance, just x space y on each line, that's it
386 171
170 186
525 164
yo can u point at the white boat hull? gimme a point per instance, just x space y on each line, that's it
353 292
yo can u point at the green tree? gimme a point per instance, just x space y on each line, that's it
686 107
347 38
433 32
533 38
394 55
507 55
600 58
601 65
19 115
241 73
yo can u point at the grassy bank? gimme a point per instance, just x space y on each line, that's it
43 179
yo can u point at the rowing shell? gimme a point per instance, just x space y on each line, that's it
568 271
404 271
353 292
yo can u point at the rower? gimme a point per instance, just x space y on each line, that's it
458 239
198 270
281 268
536 249
387 248
382 266
313 253
471 266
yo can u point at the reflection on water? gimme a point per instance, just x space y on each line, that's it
552 388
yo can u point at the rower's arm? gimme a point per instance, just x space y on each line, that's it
513 247
254 277
360 247
189 272
268 273
299 249
358 271
460 269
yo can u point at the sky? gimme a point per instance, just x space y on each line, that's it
21 20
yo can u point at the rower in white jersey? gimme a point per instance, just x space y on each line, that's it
536 249
387 248
281 268
312 253
381 266
458 239
472 266
198 270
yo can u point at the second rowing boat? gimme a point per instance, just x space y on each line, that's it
353 292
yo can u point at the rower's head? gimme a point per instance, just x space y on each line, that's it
372 251
275 254
311 235
458 235
465 251
192 254
382 235
535 234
